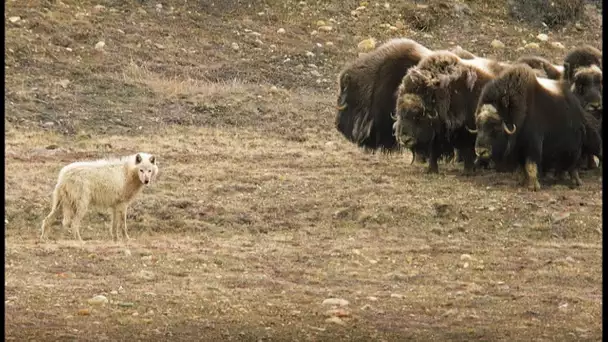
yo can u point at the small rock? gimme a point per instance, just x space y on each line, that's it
159 46
258 42
64 83
127 252
337 313
113 292
325 28
558 45
309 54
99 8
497 44
84 312
335 320
517 225
14 19
272 46
48 124
360 8
68 49
100 45
274 89
320 23
578 26
373 299
466 257
315 73
366 307
393 28
387 5
281 31
314 32
366 45
147 275
335 301
299 67
570 259
397 295
557 217
159 7
126 304
532 46
98 300
466 265
542 37
329 44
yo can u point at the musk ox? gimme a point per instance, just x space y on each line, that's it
582 56
436 100
535 123
366 93
104 184
552 71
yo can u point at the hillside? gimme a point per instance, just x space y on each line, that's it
262 209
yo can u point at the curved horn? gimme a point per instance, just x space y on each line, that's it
507 130
433 116
472 131
394 116
342 107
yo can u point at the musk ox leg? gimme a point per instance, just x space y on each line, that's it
576 179
468 156
531 171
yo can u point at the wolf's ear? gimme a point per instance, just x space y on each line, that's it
137 159
153 160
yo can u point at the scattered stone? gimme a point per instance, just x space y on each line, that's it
126 304
337 313
542 37
159 7
366 307
84 312
497 44
366 45
274 89
235 46
299 67
272 46
98 300
320 23
315 73
64 83
314 32
127 252
557 217
373 299
360 8
387 5
113 292
329 44
48 124
335 320
466 265
159 46
393 28
281 30
578 26
325 28
14 20
100 45
466 257
309 54
570 259
99 8
147 275
532 46
397 295
258 42
558 45
335 301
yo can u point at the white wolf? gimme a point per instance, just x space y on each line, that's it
106 183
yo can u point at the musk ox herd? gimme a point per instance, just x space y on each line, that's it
529 115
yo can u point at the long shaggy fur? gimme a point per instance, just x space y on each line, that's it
548 127
552 71
437 100
106 183
582 56
367 87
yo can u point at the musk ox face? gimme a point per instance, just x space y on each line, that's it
587 87
492 133
413 121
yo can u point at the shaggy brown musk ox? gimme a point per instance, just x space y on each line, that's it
551 70
535 122
437 99
366 92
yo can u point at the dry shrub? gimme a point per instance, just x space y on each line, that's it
553 13
426 18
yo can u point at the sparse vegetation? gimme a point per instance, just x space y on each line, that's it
262 211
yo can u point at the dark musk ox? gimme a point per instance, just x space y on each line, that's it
535 123
366 93
437 99
583 71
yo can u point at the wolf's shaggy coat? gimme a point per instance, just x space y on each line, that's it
106 183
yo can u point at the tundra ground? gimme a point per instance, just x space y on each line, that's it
262 210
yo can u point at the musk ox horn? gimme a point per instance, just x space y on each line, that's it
342 107
507 130
433 116
394 116
473 131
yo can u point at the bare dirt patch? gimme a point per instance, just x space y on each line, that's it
262 210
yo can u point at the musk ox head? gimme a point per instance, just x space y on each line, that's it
492 133
587 84
413 123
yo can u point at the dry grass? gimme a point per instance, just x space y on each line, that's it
262 209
